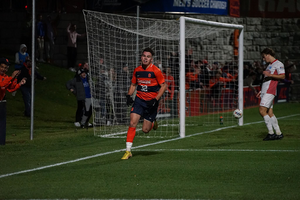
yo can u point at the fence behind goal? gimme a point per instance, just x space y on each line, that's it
115 44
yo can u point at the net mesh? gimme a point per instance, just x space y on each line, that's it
115 43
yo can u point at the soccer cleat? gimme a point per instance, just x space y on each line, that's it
155 125
279 137
127 155
270 137
90 125
77 124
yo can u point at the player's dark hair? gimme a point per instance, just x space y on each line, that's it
149 50
268 51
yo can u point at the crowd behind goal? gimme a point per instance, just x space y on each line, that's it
208 78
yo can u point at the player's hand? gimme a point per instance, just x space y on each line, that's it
15 74
267 73
129 100
23 81
258 94
152 103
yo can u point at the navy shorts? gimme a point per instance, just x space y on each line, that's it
141 108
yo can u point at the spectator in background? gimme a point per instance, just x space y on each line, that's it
110 85
174 64
193 78
259 76
225 72
21 56
102 87
26 88
41 38
10 84
199 64
248 81
51 31
206 74
232 74
191 67
246 71
216 84
289 68
169 79
215 66
72 46
122 86
80 110
169 93
188 60
83 66
80 87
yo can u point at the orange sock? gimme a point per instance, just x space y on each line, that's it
152 126
131 134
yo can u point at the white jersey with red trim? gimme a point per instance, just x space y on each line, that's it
269 85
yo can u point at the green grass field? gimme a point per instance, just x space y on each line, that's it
61 163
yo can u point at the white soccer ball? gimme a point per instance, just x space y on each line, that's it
237 113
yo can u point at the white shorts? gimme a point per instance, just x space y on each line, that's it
267 100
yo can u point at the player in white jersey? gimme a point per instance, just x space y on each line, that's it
273 73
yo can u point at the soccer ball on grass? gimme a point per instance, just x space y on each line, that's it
237 113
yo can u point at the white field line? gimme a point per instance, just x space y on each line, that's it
137 147
216 150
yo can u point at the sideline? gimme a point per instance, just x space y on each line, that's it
141 146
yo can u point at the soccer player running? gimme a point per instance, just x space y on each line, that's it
273 73
150 84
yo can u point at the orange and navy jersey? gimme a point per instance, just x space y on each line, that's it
148 81
6 83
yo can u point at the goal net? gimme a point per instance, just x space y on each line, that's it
192 56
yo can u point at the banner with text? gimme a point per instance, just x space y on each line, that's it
217 7
274 8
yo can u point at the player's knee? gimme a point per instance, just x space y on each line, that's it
132 124
146 130
262 111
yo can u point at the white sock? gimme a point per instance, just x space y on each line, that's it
128 146
268 124
275 125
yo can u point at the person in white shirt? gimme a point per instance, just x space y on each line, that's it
72 46
273 73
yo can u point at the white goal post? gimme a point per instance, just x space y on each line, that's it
190 52
183 20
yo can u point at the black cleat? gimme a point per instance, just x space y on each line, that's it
270 137
279 137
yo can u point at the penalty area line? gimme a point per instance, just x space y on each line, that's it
137 147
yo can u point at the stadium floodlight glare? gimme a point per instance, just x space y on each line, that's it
187 48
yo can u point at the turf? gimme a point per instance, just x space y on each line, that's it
232 163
